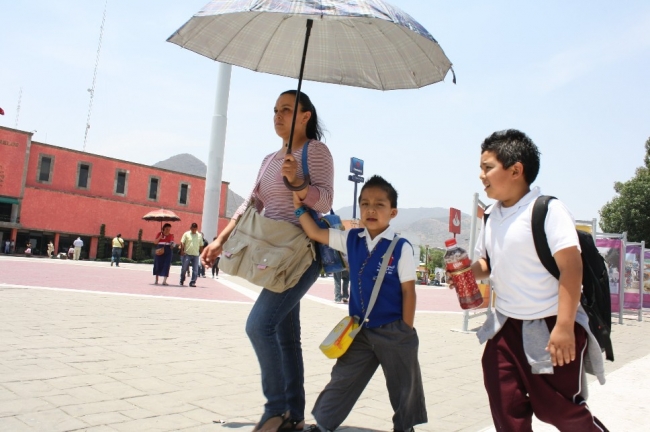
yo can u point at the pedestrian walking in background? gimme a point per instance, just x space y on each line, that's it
71 252
215 265
28 249
162 260
273 325
191 247
538 342
201 266
50 249
7 247
116 253
78 244
341 294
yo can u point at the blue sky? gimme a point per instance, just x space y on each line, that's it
573 75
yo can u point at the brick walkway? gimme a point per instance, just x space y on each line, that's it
86 346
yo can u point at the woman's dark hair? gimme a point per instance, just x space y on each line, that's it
512 146
167 225
314 129
380 183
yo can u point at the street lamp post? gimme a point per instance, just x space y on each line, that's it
356 168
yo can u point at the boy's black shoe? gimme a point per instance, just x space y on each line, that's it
181 284
192 284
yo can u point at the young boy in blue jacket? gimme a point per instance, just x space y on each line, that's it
388 337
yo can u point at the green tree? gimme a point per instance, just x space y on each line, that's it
436 259
101 243
630 210
138 247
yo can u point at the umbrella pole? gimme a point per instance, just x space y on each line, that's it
310 23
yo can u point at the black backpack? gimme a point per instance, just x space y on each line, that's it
595 297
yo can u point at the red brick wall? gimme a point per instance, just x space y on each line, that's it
13 150
65 212
102 179
60 206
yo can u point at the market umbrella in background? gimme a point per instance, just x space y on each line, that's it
161 215
362 43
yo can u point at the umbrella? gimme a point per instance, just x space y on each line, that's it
161 215
360 43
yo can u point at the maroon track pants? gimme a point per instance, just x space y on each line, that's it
515 393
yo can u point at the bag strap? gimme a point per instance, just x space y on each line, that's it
378 282
305 173
487 255
540 210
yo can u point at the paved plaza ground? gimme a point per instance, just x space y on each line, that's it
89 347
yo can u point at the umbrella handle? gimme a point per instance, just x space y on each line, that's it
310 23
296 188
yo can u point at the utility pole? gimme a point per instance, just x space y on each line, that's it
91 90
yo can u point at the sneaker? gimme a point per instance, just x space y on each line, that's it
181 284
192 284
345 300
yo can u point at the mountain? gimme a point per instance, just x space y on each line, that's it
424 226
185 163
188 164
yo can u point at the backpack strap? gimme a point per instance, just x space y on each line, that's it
540 210
487 255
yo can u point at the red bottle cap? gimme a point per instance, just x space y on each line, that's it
450 242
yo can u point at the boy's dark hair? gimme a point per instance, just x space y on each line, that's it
379 182
512 146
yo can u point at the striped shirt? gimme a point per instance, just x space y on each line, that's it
274 197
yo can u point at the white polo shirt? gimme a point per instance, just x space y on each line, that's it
524 288
406 263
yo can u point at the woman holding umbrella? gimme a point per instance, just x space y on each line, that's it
273 325
163 259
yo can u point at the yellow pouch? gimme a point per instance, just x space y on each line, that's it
340 338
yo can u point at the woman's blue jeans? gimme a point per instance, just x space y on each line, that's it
273 328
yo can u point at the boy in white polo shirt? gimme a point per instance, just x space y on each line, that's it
533 359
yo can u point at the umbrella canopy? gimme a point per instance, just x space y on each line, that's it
161 215
362 43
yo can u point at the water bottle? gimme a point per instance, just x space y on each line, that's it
458 265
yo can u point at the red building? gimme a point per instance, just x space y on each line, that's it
50 193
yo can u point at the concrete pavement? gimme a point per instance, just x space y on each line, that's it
84 346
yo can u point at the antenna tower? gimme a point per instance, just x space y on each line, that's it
91 90
20 96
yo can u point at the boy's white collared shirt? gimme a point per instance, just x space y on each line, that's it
525 289
405 265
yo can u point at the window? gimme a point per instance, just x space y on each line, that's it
154 184
83 175
183 193
121 182
44 171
